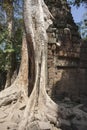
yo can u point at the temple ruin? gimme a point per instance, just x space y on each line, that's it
67 55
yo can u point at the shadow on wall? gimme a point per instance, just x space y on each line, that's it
72 84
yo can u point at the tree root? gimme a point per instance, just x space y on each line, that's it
41 109
12 104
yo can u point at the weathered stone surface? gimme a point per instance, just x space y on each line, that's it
79 124
52 40
44 125
2 114
33 126
8 126
54 128
65 126
72 117
70 58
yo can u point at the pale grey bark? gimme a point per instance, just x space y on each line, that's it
38 105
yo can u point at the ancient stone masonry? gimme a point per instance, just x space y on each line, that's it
67 55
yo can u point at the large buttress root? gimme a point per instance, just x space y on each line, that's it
32 105
14 98
40 108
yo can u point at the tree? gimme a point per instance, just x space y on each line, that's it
28 92
11 50
8 5
83 27
77 2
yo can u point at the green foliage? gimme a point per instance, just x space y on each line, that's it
4 48
2 60
83 27
9 46
77 2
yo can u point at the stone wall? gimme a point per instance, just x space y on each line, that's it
67 64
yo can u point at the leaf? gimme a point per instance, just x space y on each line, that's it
9 50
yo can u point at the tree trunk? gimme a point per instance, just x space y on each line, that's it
40 108
11 56
36 108
14 98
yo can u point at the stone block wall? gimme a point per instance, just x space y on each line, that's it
67 58
67 71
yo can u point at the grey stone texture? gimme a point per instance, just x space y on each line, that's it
67 55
